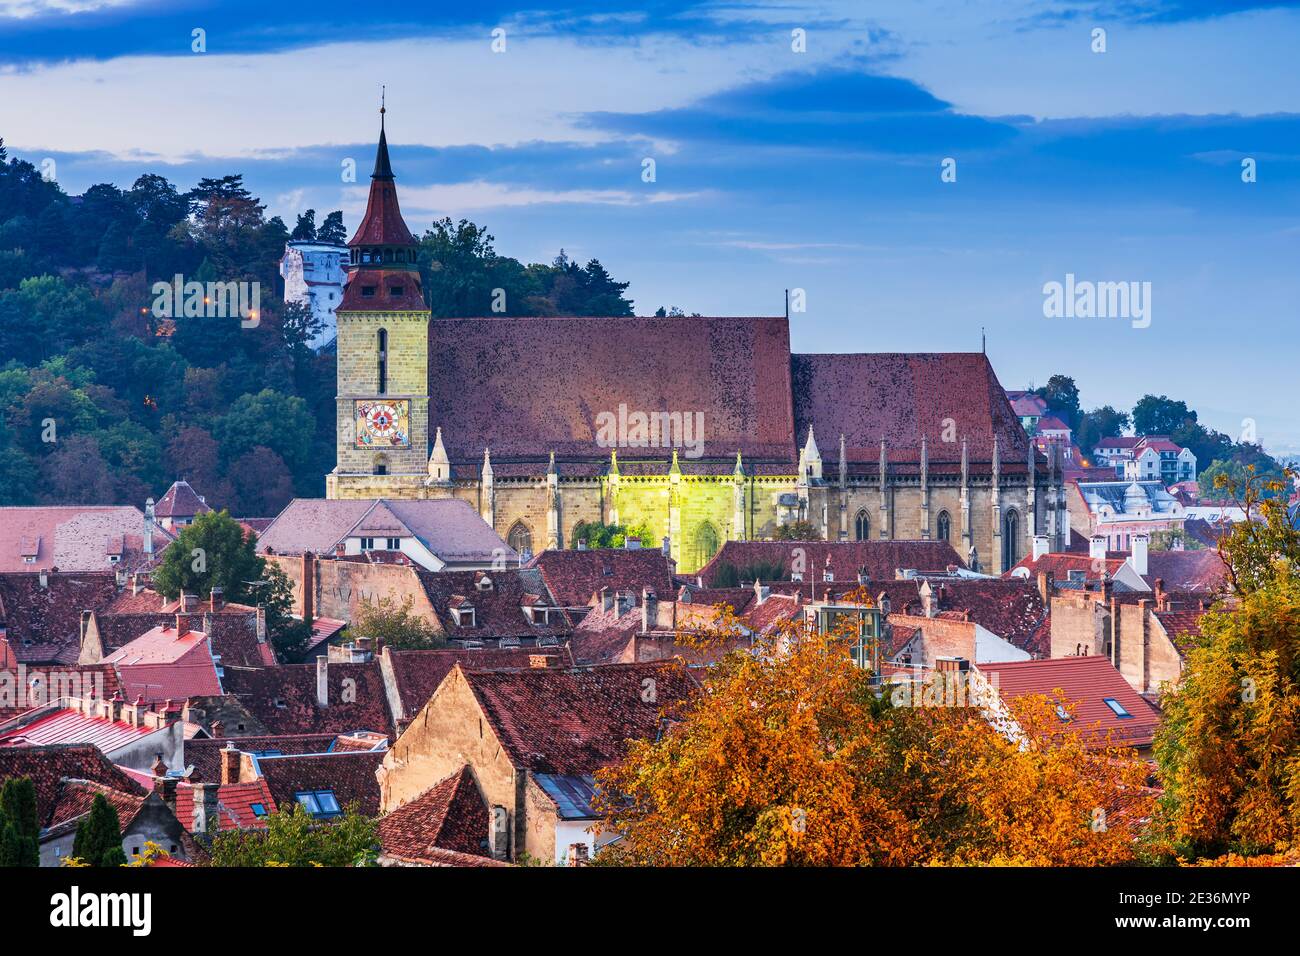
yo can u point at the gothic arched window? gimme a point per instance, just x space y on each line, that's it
862 526
1010 539
945 526
706 543
520 539
381 345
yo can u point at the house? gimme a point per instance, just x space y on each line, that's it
448 821
42 613
1147 458
505 607
1072 569
168 662
411 677
67 778
574 577
129 734
532 738
439 534
179 506
1093 700
77 538
1119 511
1029 408
1145 636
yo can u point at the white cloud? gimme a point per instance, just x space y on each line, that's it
23 9
454 198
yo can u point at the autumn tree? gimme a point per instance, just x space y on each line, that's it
792 755
1229 745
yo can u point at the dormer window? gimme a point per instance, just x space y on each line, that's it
396 291
367 292
464 614
484 583
796 575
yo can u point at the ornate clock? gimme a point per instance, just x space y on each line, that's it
383 423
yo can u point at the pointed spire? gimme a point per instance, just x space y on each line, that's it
439 463
383 168
550 468
675 468
487 464
613 461
739 471
810 446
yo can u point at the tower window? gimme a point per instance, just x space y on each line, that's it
862 526
396 291
382 349
945 526
367 292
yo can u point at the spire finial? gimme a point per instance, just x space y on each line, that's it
383 107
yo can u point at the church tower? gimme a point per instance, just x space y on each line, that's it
383 354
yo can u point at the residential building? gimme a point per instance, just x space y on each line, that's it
313 274
1122 511
78 538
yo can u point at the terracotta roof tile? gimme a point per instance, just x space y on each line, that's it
350 775
573 577
880 558
48 765
450 815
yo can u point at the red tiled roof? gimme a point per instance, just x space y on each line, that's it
203 753
1183 627
504 384
350 775
573 577
43 684
880 558
75 798
48 765
1060 563
1012 608
1083 682
283 698
1202 571
902 397
73 727
574 721
450 815
234 804
76 538
498 610
43 624
180 501
417 674
162 664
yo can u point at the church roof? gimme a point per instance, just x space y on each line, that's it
902 397
514 385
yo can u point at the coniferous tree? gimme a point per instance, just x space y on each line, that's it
18 810
99 836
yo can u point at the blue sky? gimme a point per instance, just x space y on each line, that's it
817 170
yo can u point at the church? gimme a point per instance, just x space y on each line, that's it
705 429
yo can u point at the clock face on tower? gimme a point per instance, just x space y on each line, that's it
383 423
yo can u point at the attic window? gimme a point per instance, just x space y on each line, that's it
279 702
1063 713
464 616
114 558
1116 707
319 803
367 292
796 575
29 559
396 291
484 583
1076 576
259 809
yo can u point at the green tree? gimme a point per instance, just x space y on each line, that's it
1160 415
1103 422
305 229
213 551
99 836
1062 397
294 838
597 534
796 531
271 419
331 230
395 625
20 831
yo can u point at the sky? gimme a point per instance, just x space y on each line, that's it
775 167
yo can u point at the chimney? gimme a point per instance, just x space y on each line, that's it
217 599
863 577
626 601
1138 556
182 625
1097 547
499 833
189 603
649 610
136 586
954 665
542 662
761 591
114 707
323 681
1046 581
1162 599
606 599
579 854
218 729
229 764
158 768
205 808
44 579
1042 545
668 546
308 606
582 545
147 541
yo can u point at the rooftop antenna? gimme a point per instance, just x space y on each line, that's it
383 95
983 341
787 304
